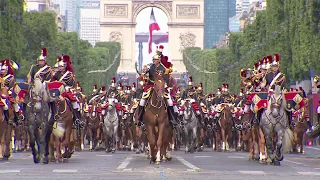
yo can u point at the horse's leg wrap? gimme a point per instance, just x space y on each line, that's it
6 115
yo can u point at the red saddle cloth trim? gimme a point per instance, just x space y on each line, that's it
99 110
181 109
89 108
195 106
1 104
118 107
147 87
11 98
71 96
175 103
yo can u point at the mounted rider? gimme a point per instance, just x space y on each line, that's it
42 70
191 94
66 76
157 66
7 75
112 88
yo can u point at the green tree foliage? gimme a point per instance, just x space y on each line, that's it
290 28
23 34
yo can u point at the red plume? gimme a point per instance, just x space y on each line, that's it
44 52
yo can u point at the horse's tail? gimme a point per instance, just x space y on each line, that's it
287 141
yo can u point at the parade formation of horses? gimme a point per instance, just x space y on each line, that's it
259 120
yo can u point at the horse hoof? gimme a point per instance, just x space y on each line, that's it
280 158
4 158
169 159
113 150
57 161
45 160
158 163
35 160
65 160
90 150
276 163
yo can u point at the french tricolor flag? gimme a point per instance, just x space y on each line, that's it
153 26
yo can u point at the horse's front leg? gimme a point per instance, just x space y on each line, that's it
115 138
160 142
260 138
223 139
194 139
90 138
32 130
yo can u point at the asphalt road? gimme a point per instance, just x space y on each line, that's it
124 165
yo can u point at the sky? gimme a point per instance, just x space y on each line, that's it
142 21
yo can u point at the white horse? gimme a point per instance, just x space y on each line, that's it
274 121
111 124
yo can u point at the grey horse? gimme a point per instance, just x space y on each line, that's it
274 120
37 116
190 128
110 128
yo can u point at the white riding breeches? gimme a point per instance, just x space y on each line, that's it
246 108
16 107
169 100
143 101
75 105
5 107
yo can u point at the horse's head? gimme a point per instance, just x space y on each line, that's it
37 93
276 101
159 86
112 103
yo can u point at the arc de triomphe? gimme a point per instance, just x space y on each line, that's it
185 24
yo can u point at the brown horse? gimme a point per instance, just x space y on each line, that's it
93 127
300 126
156 120
64 118
226 125
5 126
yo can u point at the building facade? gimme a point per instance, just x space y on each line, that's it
89 19
216 20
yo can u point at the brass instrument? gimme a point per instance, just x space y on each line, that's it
316 79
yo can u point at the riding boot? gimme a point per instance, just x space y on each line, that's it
172 116
53 113
6 115
140 115
289 114
309 124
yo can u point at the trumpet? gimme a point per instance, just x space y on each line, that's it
316 79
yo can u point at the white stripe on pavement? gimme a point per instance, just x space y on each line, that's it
65 171
125 163
186 163
252 172
235 157
310 173
4 163
293 162
314 148
9 171
202 156
104 155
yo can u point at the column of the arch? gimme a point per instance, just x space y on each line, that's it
140 56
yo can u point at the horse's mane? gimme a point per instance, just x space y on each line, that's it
40 88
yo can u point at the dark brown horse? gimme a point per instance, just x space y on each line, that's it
64 118
5 126
156 120
226 124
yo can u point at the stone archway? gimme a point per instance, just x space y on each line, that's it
185 24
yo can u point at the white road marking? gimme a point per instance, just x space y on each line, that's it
235 157
65 171
186 163
129 169
125 163
309 173
202 156
293 162
314 148
9 171
4 163
104 155
252 172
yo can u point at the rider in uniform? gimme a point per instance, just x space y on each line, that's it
7 75
66 75
305 98
112 88
42 69
157 67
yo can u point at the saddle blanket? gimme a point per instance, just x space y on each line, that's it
21 90
56 89
294 100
